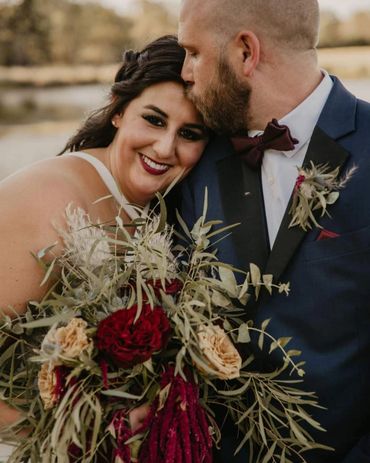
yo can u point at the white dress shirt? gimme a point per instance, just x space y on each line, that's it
279 168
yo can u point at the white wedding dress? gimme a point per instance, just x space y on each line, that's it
109 181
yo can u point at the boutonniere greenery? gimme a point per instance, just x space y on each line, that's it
315 189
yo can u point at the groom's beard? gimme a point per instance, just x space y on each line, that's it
224 104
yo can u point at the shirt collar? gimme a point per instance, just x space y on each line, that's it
303 118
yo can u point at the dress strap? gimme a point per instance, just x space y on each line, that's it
111 184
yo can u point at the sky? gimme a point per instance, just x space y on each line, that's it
342 8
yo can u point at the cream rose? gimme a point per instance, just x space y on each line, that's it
70 340
219 352
47 382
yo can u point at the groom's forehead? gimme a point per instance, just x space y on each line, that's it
193 9
193 19
188 27
191 36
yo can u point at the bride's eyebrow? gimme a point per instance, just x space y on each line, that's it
157 110
189 125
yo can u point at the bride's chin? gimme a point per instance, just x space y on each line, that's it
143 197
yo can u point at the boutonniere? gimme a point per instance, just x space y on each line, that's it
316 188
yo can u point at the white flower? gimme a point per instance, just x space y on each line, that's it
84 244
153 252
307 190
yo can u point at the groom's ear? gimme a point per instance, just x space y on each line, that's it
249 51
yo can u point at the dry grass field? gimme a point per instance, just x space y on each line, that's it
347 62
41 76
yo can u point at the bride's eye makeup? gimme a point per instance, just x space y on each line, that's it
154 120
155 116
189 132
192 135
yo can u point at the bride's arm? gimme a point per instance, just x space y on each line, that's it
8 415
29 202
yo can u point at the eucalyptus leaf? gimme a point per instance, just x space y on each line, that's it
255 274
332 197
229 281
243 333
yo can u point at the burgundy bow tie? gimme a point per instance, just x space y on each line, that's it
275 137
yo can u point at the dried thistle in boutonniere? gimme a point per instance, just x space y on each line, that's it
316 188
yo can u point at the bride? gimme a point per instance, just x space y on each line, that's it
147 136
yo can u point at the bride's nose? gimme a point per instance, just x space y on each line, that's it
165 146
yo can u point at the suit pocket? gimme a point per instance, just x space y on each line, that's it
348 243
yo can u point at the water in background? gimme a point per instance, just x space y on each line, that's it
60 110
21 145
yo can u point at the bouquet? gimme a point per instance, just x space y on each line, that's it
135 321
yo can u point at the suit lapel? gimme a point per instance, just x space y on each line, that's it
250 238
322 150
242 203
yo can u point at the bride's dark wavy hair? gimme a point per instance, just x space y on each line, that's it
160 61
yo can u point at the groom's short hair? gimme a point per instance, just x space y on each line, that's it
291 24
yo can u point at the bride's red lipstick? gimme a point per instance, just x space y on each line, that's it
150 169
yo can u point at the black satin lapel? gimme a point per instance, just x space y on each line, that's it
322 150
242 203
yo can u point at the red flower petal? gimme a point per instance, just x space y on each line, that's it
128 343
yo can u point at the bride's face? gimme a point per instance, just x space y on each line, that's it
160 136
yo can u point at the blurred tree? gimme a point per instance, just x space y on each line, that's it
27 40
39 32
329 29
6 34
88 33
152 20
105 39
355 30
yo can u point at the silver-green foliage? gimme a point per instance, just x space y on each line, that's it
271 413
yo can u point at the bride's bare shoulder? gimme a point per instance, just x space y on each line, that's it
32 202
34 199
44 186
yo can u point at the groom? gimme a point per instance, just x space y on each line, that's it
248 62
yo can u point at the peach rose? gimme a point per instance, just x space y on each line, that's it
47 382
219 352
70 340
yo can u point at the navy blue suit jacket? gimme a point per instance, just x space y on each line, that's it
328 310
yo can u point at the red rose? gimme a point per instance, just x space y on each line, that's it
129 343
171 287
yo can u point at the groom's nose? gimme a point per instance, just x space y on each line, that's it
187 72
